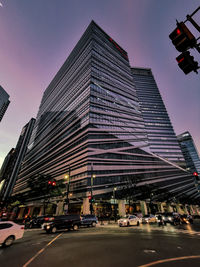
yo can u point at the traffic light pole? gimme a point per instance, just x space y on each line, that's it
67 192
91 190
197 27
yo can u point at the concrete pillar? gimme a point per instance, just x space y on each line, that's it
20 215
59 209
31 210
179 210
161 207
169 208
121 207
143 207
191 210
198 210
86 206
194 209
186 209
41 211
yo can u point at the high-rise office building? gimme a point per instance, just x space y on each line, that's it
12 162
4 102
190 152
160 132
90 123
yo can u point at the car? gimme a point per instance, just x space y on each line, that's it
139 215
36 222
89 220
62 222
149 218
172 218
129 220
9 232
186 219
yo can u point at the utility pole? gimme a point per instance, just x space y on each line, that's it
91 190
114 198
67 178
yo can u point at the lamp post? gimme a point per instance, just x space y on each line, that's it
93 176
67 178
114 197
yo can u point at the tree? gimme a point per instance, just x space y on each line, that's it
43 186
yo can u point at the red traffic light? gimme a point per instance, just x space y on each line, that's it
195 174
186 62
89 197
182 38
53 183
49 182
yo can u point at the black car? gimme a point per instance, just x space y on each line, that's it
186 219
36 222
172 218
89 220
62 222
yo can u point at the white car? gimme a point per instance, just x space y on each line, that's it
150 218
129 220
9 232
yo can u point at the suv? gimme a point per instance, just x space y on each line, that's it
89 220
62 222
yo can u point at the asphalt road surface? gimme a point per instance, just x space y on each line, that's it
107 246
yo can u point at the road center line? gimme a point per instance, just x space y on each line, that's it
40 251
168 260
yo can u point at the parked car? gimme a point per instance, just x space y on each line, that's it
89 220
129 220
62 222
186 219
149 218
172 218
9 232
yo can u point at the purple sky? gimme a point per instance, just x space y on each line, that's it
37 36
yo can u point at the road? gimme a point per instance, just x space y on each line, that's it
107 246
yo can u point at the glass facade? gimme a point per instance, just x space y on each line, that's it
161 136
90 122
4 102
12 162
190 152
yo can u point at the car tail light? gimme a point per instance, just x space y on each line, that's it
46 219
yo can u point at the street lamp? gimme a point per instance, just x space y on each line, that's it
114 197
93 176
67 178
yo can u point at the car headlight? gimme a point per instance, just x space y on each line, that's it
170 218
48 227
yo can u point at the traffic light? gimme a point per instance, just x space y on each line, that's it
54 183
196 174
91 199
182 38
186 62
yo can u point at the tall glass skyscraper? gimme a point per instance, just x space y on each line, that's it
160 132
90 123
4 102
190 152
12 162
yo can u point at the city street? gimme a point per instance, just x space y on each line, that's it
107 245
